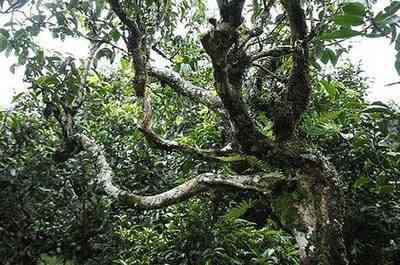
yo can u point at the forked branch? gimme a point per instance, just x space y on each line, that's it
265 183
230 62
139 51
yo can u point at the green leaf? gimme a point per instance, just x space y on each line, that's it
334 57
329 55
380 17
329 88
397 44
3 42
179 59
325 56
22 57
349 20
256 10
387 17
73 3
392 8
397 63
354 8
200 9
125 65
4 32
360 182
238 211
394 33
115 35
193 65
386 189
340 34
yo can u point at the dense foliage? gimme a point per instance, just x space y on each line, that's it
54 212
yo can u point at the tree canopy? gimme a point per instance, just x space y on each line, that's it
242 150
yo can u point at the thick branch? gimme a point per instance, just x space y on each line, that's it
186 88
139 52
197 94
137 47
289 105
65 114
299 84
231 12
297 19
265 183
203 183
230 63
118 10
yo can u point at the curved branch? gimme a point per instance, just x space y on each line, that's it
146 129
196 94
186 88
139 51
265 183
65 114
223 154
137 46
230 63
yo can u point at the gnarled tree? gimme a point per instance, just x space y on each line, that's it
277 50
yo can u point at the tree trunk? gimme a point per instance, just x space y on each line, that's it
314 212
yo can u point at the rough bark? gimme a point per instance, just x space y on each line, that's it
314 213
312 209
231 12
138 48
264 183
198 95
223 154
290 103
230 63
186 88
